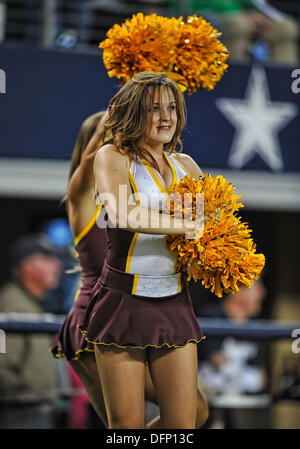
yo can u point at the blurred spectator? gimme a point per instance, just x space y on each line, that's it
61 299
28 386
233 368
230 366
242 22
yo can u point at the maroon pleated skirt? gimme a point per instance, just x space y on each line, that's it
70 342
117 317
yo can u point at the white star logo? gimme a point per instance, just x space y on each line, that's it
258 121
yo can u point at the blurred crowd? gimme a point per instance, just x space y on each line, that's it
37 391
232 367
252 29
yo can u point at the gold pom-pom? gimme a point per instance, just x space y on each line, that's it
188 51
224 258
200 56
143 43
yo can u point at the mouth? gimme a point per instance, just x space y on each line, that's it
164 128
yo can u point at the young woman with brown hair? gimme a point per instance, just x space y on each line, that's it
90 245
141 312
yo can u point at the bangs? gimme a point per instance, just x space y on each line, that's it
160 88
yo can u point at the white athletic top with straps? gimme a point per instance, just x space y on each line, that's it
148 257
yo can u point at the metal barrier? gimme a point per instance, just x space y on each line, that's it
81 23
252 330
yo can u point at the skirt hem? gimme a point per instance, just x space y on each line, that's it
140 347
58 353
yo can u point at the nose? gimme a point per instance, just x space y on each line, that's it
165 114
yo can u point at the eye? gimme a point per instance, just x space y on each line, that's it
154 109
172 107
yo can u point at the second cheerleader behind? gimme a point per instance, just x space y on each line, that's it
141 311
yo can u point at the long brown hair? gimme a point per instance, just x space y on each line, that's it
85 133
127 115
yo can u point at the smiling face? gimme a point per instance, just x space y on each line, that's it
161 118
146 115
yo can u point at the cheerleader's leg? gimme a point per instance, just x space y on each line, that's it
122 375
202 406
175 373
86 369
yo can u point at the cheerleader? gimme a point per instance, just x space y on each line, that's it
140 313
90 244
91 247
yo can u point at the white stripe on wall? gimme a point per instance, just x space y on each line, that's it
47 179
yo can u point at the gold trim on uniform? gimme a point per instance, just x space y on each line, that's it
88 226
